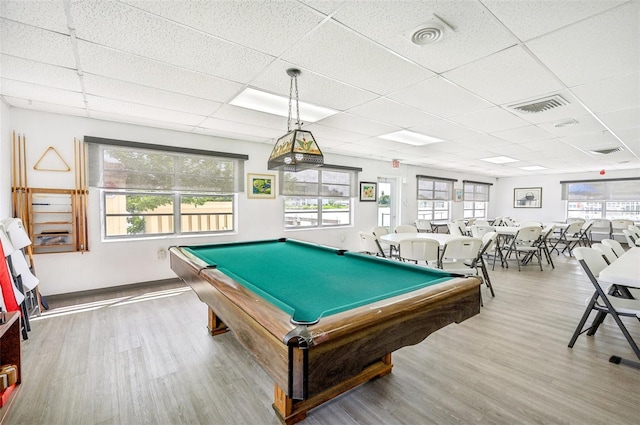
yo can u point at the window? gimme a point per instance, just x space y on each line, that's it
319 197
149 191
610 199
476 199
434 197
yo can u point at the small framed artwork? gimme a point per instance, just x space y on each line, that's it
458 196
527 197
368 191
261 186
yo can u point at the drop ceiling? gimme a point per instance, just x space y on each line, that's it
178 65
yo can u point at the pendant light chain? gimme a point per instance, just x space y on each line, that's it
297 103
290 96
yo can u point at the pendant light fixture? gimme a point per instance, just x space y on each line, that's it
297 150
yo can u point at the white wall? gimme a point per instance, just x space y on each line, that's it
113 263
553 207
5 164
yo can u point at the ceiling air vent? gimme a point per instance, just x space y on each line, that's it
607 151
540 105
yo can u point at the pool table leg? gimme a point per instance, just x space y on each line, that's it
291 411
215 325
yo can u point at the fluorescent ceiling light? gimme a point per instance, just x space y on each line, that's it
278 105
533 168
410 138
500 159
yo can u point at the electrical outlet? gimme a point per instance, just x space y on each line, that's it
162 254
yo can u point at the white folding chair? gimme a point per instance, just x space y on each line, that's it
618 225
600 227
406 228
420 249
459 250
525 241
479 230
614 245
386 248
454 229
370 244
423 226
630 238
603 303
606 251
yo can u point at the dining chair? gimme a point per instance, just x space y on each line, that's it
387 248
420 249
574 219
606 251
543 243
618 225
478 230
454 229
370 244
602 302
489 245
423 226
614 245
406 228
525 241
630 238
457 251
635 230
600 227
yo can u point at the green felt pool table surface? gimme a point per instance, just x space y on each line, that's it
310 281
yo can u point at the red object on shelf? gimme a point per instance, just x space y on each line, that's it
602 172
4 396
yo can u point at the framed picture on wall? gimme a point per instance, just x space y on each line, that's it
458 195
527 197
368 191
261 186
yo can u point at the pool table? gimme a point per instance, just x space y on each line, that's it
320 320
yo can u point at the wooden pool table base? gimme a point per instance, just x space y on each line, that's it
292 411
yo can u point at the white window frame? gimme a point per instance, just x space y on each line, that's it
592 199
434 197
317 192
475 199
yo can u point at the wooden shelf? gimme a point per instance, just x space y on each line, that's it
10 353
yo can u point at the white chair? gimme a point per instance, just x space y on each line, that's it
604 303
530 223
455 230
370 244
488 246
457 251
574 219
526 241
482 222
386 248
614 245
600 227
618 225
419 249
543 243
406 228
630 238
635 230
423 226
606 252
478 230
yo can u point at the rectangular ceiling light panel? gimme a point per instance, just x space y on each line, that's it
278 105
500 160
410 138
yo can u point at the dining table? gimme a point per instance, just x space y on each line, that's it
395 238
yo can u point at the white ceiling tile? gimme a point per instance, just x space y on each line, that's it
44 14
529 19
593 49
505 76
522 134
345 56
571 110
35 105
600 140
15 68
128 92
241 128
101 104
358 124
439 97
482 141
312 87
621 119
271 27
230 135
321 131
352 148
391 23
394 113
118 65
611 94
137 120
381 143
131 30
490 120
36 44
543 145
39 93
584 124
445 130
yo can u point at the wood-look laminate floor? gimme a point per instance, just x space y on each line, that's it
144 357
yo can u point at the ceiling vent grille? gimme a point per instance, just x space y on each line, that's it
541 105
607 151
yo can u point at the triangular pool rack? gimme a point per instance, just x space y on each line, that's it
47 162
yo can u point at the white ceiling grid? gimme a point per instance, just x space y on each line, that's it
178 64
